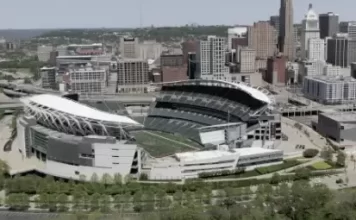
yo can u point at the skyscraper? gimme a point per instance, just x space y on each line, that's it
262 38
211 59
286 39
329 24
274 21
310 30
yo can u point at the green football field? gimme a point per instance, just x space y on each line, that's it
160 144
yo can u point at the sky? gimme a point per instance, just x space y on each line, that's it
29 14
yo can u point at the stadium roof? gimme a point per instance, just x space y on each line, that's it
255 93
74 108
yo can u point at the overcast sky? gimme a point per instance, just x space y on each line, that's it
18 14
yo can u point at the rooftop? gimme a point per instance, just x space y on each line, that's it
76 109
332 79
341 116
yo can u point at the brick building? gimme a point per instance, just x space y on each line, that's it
276 70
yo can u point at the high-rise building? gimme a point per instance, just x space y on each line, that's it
337 51
173 68
286 39
274 21
353 70
211 59
330 89
247 57
87 79
189 46
48 78
235 32
150 50
129 47
276 70
316 50
310 30
344 26
352 42
262 38
329 24
132 76
44 53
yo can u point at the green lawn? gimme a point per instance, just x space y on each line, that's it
274 168
321 165
160 147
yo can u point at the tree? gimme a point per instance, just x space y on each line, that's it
310 153
353 159
82 178
105 204
95 202
106 179
302 174
327 154
62 200
117 178
340 159
27 80
94 178
275 179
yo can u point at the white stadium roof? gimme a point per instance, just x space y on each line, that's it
76 109
253 92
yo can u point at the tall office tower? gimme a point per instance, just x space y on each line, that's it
132 76
247 57
129 47
329 24
337 51
352 42
211 59
235 33
87 79
43 52
262 38
286 39
274 21
48 78
310 30
316 49
344 27
353 70
189 46
150 50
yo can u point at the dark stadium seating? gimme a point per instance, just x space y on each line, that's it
223 92
183 108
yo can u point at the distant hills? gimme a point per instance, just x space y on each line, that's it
17 34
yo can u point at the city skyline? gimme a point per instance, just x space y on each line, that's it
83 14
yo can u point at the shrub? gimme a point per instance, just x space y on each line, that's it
339 181
221 173
274 168
310 153
143 176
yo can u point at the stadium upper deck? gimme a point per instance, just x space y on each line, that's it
183 107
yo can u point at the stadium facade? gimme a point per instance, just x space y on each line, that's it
233 123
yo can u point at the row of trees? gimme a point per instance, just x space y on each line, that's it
298 201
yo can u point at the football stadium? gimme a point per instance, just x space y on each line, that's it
192 127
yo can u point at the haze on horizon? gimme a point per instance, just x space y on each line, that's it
43 14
